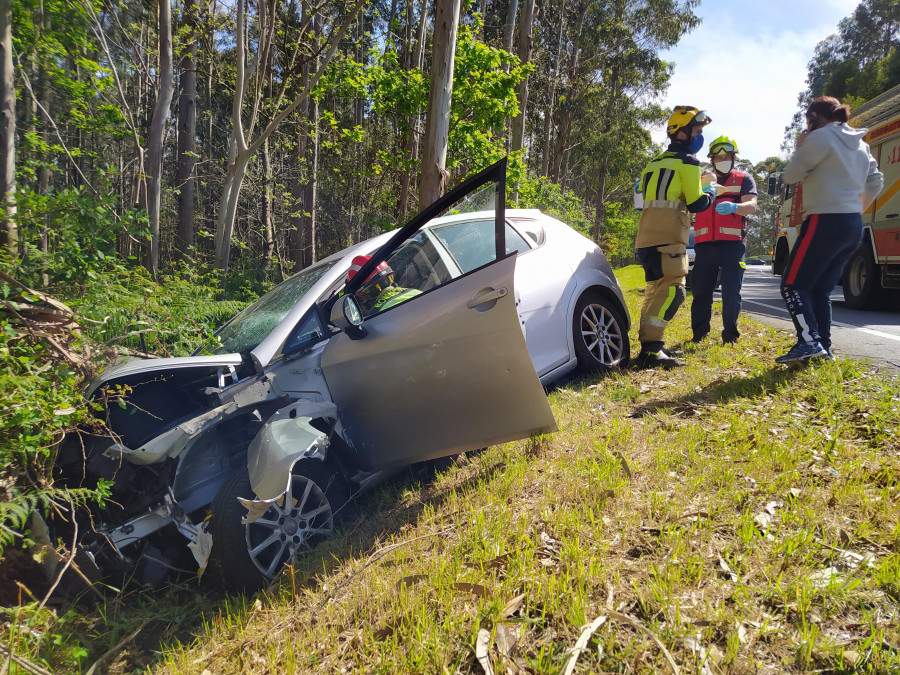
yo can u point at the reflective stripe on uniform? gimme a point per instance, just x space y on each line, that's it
662 204
702 230
667 303
733 231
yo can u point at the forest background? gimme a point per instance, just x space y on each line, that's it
164 163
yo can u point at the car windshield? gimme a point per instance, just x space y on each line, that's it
246 330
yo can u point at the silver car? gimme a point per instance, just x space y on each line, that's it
320 389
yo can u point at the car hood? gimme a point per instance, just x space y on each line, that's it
160 366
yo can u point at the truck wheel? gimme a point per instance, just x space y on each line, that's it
861 283
244 557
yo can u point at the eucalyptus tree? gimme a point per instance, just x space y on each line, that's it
858 62
254 69
7 131
437 119
600 72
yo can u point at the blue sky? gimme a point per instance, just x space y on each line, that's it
746 64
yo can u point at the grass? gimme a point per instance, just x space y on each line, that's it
731 516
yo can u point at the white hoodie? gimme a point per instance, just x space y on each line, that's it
837 170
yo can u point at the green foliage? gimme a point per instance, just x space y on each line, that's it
40 401
81 230
484 97
620 233
855 64
128 310
540 193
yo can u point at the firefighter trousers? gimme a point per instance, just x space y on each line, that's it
664 270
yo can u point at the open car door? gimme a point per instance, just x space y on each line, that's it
444 369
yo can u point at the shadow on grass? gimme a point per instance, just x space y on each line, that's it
720 390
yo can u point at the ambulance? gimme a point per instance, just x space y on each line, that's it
875 266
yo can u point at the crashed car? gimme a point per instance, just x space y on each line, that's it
243 454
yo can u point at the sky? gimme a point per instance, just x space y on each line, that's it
746 64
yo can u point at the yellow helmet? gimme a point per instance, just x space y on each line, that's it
686 116
723 144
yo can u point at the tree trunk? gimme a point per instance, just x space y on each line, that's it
8 232
157 131
551 98
412 145
240 151
518 125
268 218
510 28
310 191
437 125
299 206
43 184
187 133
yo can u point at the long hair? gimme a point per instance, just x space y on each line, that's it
828 108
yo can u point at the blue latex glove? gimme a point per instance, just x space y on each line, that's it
726 208
710 190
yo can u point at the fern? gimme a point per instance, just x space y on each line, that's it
14 514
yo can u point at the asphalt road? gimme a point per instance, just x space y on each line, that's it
864 335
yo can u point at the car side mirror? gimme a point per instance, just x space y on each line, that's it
346 315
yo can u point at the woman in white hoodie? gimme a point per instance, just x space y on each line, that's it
840 180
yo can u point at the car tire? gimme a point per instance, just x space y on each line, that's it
319 491
860 280
598 331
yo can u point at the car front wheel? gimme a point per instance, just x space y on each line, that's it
245 556
598 329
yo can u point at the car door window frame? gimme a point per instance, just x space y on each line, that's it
496 173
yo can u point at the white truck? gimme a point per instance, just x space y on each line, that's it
874 268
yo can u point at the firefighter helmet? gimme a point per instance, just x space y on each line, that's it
723 144
380 279
685 116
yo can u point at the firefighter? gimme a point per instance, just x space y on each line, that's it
671 188
378 292
719 242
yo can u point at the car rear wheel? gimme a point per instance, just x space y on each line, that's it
598 329
245 556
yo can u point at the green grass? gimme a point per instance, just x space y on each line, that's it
742 517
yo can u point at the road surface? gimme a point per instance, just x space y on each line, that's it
864 335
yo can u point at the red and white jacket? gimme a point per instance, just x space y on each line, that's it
712 226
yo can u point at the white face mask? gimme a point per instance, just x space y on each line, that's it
724 166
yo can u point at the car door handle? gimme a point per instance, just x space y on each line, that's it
486 295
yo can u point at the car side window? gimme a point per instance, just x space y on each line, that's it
471 242
308 332
412 269
532 229
417 260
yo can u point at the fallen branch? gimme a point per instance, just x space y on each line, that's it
581 644
624 618
116 648
23 663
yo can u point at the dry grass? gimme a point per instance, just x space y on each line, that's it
728 517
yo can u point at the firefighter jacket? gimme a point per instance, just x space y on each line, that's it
394 295
671 187
712 226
